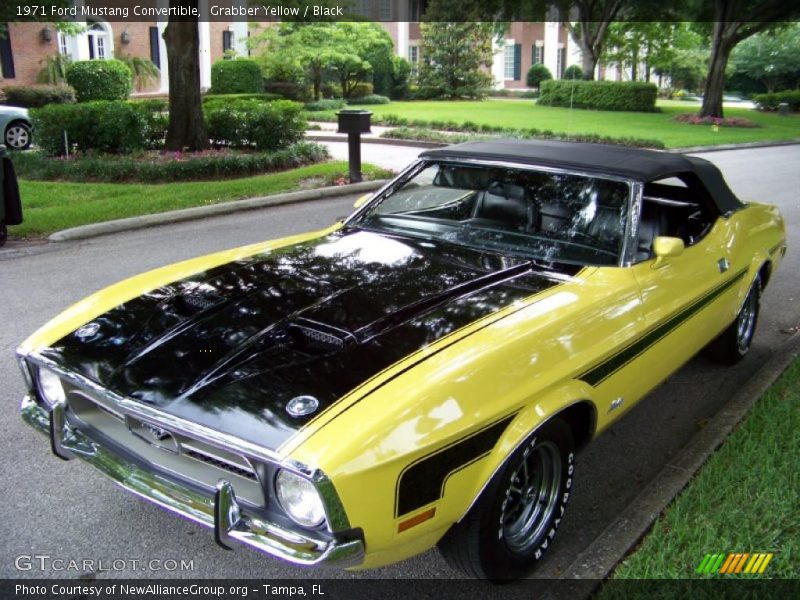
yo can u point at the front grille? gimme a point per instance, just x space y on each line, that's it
220 464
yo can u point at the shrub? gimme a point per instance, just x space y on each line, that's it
165 166
772 101
320 105
331 89
401 78
102 126
34 96
600 95
289 90
155 120
211 101
268 126
371 99
573 72
360 90
693 119
536 75
99 80
238 76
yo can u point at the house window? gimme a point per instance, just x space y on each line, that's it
537 55
413 58
561 61
63 47
155 47
416 10
98 41
513 61
6 55
386 10
227 42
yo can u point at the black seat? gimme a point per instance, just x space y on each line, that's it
505 205
652 223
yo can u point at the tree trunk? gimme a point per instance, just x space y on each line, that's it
588 60
186 129
721 47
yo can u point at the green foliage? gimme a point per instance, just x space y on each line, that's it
167 166
238 76
445 137
600 95
453 58
267 126
770 57
34 96
288 90
371 99
144 71
573 72
772 101
101 126
536 75
329 104
401 78
54 71
155 120
211 101
100 80
360 90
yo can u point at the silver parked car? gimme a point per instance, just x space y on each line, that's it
16 127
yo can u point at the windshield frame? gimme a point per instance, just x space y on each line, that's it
631 208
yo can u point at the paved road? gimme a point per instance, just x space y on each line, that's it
66 510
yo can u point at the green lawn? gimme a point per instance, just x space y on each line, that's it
743 500
522 114
52 206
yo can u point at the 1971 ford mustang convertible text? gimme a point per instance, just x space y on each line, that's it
419 374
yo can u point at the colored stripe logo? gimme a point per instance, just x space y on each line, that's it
735 562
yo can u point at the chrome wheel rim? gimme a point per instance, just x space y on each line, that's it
747 320
17 136
532 497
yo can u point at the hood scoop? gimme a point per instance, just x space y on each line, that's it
318 338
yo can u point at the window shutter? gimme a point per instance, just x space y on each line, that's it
517 62
6 55
227 40
155 49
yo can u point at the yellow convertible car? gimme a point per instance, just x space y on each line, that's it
419 374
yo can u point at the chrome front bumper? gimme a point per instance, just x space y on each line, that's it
221 513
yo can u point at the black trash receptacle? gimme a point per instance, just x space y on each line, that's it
10 205
354 122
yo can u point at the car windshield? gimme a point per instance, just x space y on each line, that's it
552 217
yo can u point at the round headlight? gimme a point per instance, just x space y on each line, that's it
299 498
50 386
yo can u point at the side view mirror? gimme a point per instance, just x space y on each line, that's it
667 247
362 200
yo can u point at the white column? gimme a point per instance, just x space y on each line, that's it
402 39
205 46
162 52
499 64
551 47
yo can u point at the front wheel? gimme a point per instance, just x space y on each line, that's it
18 136
514 521
733 344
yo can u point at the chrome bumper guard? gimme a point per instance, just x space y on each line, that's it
222 513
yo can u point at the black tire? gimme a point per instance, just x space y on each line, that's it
512 524
733 344
3 233
17 135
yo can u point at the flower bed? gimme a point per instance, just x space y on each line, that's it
693 119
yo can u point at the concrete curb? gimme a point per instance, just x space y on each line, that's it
376 140
199 212
742 146
599 560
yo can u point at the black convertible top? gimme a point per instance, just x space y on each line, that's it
633 163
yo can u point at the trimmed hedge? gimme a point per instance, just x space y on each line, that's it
102 126
772 101
536 75
329 104
211 101
165 167
371 99
600 95
269 126
34 96
100 80
237 76
360 90
443 137
288 90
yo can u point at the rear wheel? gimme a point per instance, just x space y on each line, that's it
515 520
734 343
